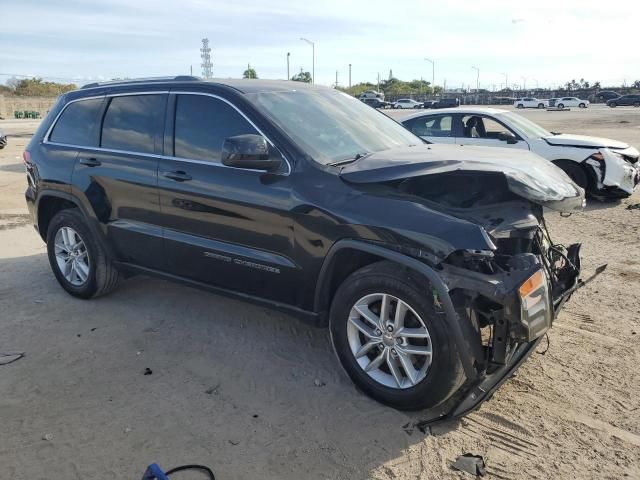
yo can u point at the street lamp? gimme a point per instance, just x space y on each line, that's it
288 75
524 84
477 78
506 81
433 75
313 59
537 84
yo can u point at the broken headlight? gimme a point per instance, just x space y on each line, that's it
535 305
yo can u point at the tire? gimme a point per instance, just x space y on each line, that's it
101 275
613 104
576 172
437 376
561 106
520 105
636 104
541 105
582 105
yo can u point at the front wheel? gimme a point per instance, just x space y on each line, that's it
576 172
520 105
541 105
390 340
77 258
636 104
561 106
582 105
613 104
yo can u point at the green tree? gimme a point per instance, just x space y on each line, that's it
35 87
636 84
249 72
302 77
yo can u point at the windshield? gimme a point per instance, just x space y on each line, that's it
330 125
527 127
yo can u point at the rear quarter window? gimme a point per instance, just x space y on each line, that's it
78 124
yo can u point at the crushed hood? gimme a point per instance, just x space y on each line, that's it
584 141
527 174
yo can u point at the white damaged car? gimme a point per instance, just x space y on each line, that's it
604 168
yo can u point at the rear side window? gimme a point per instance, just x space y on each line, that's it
202 124
77 124
134 123
432 126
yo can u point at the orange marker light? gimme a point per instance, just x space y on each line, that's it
534 282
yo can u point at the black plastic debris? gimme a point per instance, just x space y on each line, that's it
633 206
7 358
147 371
473 464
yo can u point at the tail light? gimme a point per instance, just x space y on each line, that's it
598 156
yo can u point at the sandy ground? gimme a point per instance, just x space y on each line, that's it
234 386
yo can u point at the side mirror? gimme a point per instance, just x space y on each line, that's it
250 152
508 137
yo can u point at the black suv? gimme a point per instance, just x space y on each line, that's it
625 100
428 263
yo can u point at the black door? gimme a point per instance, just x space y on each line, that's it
119 178
227 227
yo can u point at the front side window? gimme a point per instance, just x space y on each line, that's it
134 123
77 124
202 124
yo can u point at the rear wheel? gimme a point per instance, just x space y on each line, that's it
582 105
541 105
77 258
520 105
576 172
390 340
561 106
613 104
636 104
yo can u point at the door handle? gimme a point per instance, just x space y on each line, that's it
90 162
178 176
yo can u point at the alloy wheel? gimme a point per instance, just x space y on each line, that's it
389 340
72 256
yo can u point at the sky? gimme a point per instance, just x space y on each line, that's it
542 43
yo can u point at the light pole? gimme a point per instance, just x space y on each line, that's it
524 84
349 75
288 75
433 74
477 78
506 81
537 84
313 59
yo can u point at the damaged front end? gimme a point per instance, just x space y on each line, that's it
507 295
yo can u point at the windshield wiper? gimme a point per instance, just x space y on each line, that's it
349 160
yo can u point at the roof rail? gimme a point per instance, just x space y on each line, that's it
178 78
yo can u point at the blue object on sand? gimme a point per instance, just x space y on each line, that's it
154 472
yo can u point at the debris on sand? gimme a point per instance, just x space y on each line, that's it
7 358
148 371
473 464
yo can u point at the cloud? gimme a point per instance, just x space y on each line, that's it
548 40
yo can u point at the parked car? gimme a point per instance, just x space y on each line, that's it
403 249
429 103
377 103
530 102
406 103
608 95
603 167
569 102
371 94
446 103
625 100
3 139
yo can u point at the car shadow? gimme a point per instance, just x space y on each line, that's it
12 168
594 204
229 382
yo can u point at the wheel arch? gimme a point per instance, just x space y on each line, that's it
359 254
50 202
589 172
